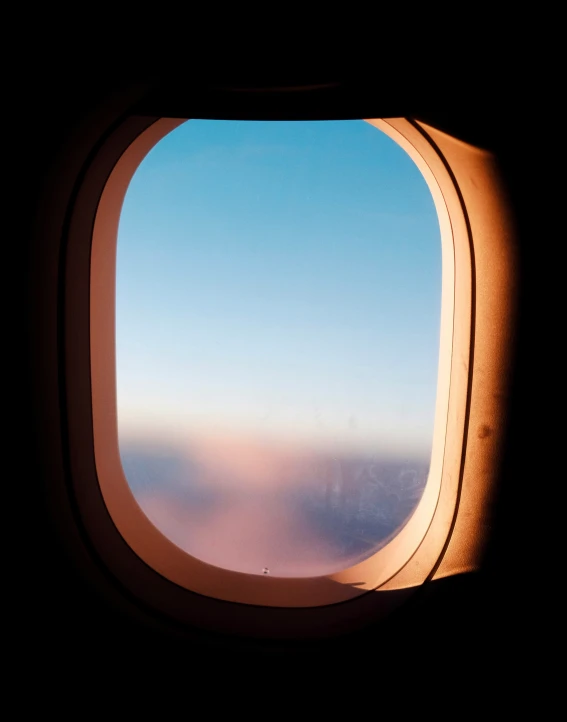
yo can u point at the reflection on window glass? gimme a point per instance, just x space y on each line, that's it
277 332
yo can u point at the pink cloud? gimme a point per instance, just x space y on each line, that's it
246 534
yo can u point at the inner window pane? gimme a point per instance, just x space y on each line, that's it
277 340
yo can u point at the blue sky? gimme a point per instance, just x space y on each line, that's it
280 280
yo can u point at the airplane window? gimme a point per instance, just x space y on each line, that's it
277 342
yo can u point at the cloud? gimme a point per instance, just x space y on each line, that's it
246 534
243 503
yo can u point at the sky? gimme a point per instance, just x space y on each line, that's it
279 281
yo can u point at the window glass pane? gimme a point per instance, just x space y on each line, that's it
277 339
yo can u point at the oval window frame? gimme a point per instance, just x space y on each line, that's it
379 570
